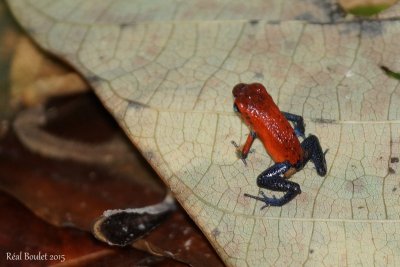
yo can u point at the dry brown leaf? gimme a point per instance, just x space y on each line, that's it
35 76
8 40
74 193
34 242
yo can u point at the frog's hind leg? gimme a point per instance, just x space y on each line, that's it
298 123
272 179
313 151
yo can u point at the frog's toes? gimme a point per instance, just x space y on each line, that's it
239 152
267 200
299 133
234 144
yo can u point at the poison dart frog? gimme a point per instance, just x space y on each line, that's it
266 122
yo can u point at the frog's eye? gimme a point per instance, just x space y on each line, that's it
235 108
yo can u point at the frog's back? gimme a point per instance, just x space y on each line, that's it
278 137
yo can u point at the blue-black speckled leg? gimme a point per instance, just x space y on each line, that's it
298 123
272 179
313 151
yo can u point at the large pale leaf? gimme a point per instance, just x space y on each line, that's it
166 73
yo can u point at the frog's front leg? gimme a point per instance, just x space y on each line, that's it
272 179
242 154
298 123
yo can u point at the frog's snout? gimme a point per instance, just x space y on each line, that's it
321 171
237 89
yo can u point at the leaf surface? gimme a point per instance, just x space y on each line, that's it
166 74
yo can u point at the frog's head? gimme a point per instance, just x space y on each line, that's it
247 96
237 91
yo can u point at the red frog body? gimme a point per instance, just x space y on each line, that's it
266 122
263 116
